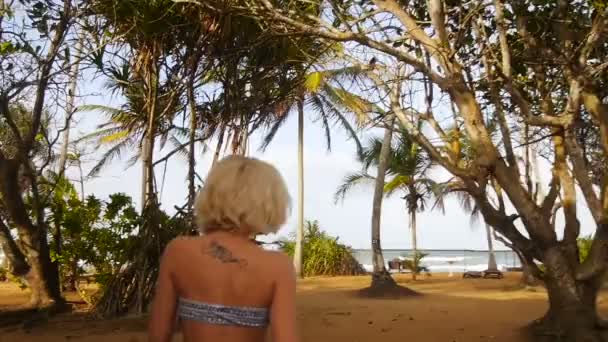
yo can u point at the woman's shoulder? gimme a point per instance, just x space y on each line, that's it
181 242
279 260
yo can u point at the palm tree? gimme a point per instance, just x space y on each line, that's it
380 277
408 170
330 102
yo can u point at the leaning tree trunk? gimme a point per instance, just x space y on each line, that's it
297 257
491 255
380 276
414 243
42 276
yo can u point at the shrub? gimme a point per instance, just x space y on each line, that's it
414 263
584 245
323 254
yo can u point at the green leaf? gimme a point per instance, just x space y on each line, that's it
396 182
313 81
7 48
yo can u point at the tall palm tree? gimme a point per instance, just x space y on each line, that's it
380 276
408 170
330 102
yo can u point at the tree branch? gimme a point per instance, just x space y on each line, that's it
60 31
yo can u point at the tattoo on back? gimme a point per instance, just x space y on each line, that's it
224 255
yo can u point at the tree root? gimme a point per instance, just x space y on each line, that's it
384 286
549 330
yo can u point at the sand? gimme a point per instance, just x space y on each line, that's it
450 310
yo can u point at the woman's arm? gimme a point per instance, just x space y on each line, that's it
162 318
283 308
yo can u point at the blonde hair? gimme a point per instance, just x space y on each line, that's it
242 193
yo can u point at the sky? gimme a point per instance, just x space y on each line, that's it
324 171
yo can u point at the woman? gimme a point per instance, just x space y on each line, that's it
221 285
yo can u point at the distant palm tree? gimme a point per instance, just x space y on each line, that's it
408 170
467 203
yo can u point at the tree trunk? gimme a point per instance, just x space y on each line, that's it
191 155
414 243
297 257
572 314
491 255
220 142
69 109
527 276
43 278
380 276
82 195
43 275
144 173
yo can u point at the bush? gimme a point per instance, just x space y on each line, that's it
414 263
323 254
584 245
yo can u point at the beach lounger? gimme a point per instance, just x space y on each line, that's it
493 274
472 274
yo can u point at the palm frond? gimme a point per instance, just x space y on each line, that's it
111 138
396 183
114 152
313 81
280 121
318 106
133 160
343 121
106 110
100 135
349 102
349 182
370 155
475 215
181 148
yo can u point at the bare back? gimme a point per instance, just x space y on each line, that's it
222 268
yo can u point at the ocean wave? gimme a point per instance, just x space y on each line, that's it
447 268
445 259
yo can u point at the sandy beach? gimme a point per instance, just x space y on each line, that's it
450 310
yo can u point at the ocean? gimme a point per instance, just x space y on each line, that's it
445 260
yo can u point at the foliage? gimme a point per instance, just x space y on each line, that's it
408 171
414 263
584 246
323 254
96 235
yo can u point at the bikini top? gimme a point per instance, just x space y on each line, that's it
223 314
